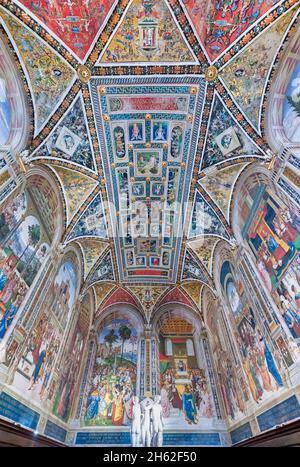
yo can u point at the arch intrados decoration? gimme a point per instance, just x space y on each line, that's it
209 304
235 188
90 288
52 193
88 297
119 301
223 253
72 254
273 123
213 254
120 311
19 129
172 310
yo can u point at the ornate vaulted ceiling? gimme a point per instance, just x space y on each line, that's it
139 108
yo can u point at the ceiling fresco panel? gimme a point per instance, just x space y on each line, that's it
76 23
147 33
148 130
104 271
91 250
204 220
76 188
147 295
120 296
92 222
246 75
204 250
70 141
219 23
176 296
101 291
225 138
220 185
193 289
154 137
192 269
49 76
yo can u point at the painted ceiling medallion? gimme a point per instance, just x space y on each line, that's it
84 73
211 73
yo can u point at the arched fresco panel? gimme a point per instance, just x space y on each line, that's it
282 120
184 388
113 380
67 385
231 379
6 112
291 107
35 366
258 362
271 230
28 228
23 248
13 118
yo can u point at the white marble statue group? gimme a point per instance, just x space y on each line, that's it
147 424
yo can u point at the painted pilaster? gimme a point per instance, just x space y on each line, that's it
204 349
88 368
